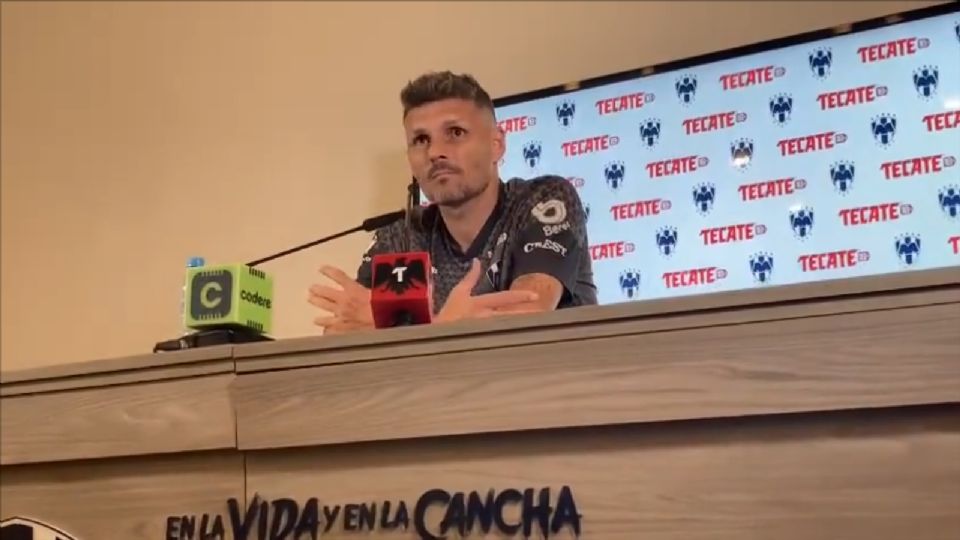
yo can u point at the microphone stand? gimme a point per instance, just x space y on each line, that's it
370 224
304 246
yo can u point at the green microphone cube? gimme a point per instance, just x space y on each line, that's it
229 295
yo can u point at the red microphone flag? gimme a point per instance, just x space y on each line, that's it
402 290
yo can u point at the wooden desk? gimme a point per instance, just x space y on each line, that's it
827 410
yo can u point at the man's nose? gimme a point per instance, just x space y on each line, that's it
438 150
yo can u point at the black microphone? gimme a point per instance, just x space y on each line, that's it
369 225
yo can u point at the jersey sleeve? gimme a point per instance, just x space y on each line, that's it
552 233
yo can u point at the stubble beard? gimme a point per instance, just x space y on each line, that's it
458 196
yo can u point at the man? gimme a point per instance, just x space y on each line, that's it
513 247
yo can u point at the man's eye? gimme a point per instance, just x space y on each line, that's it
458 132
420 139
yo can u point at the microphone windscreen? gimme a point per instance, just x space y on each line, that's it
402 289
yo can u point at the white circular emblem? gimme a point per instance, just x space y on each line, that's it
550 212
18 527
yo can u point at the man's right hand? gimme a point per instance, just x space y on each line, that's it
348 305
462 304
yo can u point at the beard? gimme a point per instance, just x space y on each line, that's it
453 191
453 196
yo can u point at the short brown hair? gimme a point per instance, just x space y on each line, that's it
440 85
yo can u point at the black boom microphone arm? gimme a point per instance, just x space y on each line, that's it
369 224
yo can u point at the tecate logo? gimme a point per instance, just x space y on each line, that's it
891 49
916 166
752 77
674 166
771 188
611 250
622 103
832 260
693 277
732 233
811 143
865 215
713 122
517 124
589 145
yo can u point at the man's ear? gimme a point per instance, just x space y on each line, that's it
499 144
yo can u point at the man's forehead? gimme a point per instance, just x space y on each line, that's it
444 112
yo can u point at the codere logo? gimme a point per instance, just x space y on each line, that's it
212 293
255 297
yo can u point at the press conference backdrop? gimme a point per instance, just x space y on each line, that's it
827 159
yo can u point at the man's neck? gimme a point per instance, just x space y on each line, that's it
465 221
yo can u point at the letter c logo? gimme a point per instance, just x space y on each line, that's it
209 300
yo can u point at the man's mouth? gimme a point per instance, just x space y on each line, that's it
441 172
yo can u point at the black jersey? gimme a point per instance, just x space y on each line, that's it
538 226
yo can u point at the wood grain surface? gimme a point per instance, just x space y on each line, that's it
124 498
99 379
155 417
283 358
140 363
859 475
819 418
870 359
833 290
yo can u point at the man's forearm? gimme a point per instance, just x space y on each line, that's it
549 290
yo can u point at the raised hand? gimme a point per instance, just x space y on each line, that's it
348 303
462 304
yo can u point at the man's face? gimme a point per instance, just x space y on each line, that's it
453 147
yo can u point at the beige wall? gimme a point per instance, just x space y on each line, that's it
135 134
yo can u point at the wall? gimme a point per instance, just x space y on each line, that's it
137 134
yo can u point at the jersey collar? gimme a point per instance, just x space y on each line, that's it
476 247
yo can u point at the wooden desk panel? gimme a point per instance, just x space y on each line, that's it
103 372
859 475
166 416
817 411
121 499
800 299
867 359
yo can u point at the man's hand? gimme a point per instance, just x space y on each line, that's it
461 304
348 304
